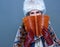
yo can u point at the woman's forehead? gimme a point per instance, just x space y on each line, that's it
34 10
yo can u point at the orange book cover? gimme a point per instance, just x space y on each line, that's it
36 23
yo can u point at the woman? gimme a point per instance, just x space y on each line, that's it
33 7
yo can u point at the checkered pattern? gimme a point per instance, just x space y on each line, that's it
18 43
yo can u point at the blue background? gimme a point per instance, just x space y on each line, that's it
11 15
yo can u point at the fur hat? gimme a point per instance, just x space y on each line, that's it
33 4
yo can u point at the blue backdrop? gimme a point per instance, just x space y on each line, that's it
11 15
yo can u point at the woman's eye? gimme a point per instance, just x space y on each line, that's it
37 12
32 12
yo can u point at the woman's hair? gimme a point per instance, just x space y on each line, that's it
28 14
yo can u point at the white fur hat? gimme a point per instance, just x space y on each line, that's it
33 4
